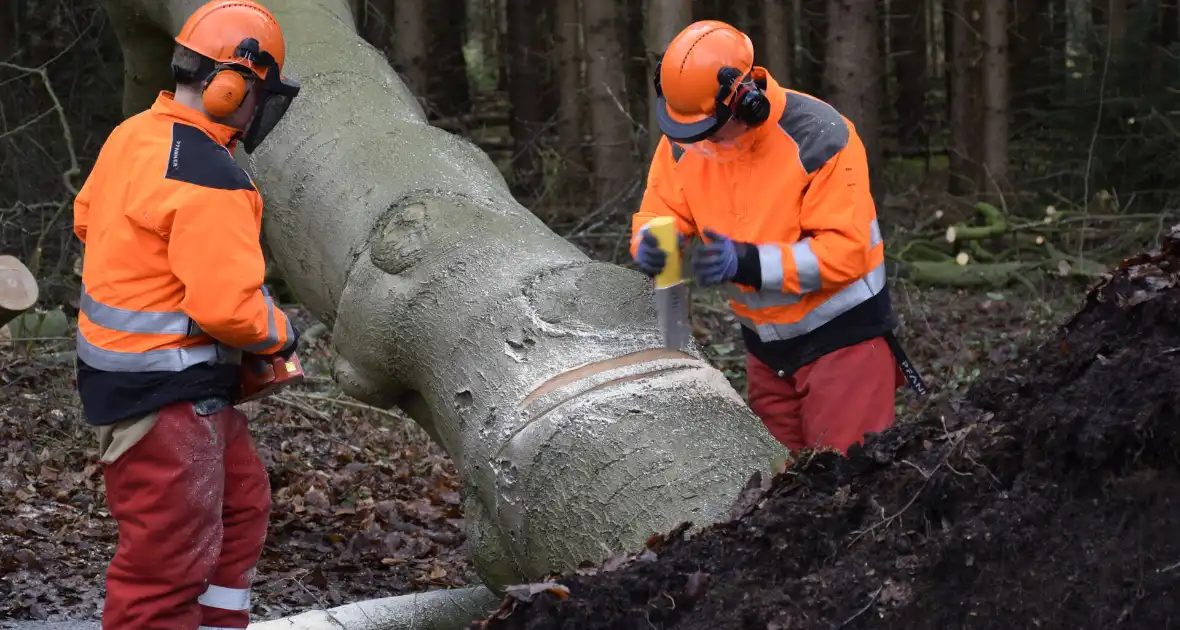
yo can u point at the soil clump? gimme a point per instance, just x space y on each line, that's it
1048 497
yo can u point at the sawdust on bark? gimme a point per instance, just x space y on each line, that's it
1049 497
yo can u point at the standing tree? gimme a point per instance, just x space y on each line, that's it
853 73
526 71
777 41
411 44
963 79
570 87
665 18
606 81
995 97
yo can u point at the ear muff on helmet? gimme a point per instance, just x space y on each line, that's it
225 88
223 91
749 103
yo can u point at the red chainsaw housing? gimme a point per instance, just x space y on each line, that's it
262 376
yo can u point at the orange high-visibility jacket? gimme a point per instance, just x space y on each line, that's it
173 270
801 195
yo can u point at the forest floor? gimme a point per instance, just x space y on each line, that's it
365 505
1048 497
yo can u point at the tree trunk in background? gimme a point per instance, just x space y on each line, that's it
375 21
571 132
814 40
1169 31
411 45
777 42
995 98
743 17
9 12
853 72
526 62
1114 15
606 83
479 29
1079 62
962 19
502 43
634 30
1029 57
907 37
751 13
665 18
709 9
488 36
447 89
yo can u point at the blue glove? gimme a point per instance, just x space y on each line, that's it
716 261
649 257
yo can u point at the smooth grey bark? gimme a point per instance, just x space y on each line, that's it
537 369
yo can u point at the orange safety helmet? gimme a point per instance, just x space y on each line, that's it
241 37
703 79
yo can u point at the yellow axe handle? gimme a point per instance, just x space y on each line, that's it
664 229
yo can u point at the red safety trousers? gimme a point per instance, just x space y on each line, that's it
192 500
832 401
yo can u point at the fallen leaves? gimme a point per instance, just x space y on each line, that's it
526 592
523 593
362 506
751 495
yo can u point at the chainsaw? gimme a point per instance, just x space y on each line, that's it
262 376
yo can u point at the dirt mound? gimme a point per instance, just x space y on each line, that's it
1049 498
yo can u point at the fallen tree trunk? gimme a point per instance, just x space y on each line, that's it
538 370
18 289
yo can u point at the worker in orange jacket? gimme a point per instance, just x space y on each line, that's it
776 182
172 297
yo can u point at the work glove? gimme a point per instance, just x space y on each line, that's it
715 261
649 257
292 344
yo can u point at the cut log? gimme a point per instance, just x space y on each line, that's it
18 289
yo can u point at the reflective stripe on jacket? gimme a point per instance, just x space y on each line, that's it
801 195
173 268
158 341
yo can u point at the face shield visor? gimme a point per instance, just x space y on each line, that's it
729 143
718 136
276 93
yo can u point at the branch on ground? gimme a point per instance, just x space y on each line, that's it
992 253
